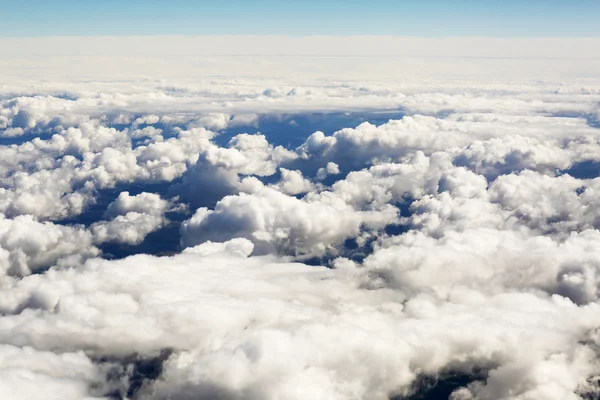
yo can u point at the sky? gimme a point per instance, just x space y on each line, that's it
425 18
321 200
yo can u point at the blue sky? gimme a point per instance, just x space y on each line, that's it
426 18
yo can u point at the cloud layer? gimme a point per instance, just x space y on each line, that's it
319 247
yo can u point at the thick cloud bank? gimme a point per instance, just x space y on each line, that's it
319 238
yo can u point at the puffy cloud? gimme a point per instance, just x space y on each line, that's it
28 246
229 319
367 143
284 224
59 177
292 182
27 372
497 156
143 203
330 169
148 131
149 119
550 204
392 182
131 228
218 169
489 143
132 218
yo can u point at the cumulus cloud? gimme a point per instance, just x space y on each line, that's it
28 246
283 224
131 218
131 228
292 182
218 170
330 169
143 203
59 177
27 372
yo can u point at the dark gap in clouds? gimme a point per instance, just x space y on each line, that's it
168 130
268 179
580 190
591 396
311 166
291 130
202 185
348 249
19 140
584 170
427 387
333 178
127 375
355 252
95 211
404 206
65 96
396 229
358 253
593 121
318 261
32 128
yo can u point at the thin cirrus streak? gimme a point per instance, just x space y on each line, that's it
272 226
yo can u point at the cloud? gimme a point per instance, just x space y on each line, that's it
131 218
217 170
27 372
230 318
28 246
330 169
550 204
423 228
131 228
143 203
280 223
59 177
292 182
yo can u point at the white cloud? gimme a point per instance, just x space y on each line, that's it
283 224
330 169
549 204
230 319
217 170
131 228
145 203
132 218
493 264
26 373
28 246
292 182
